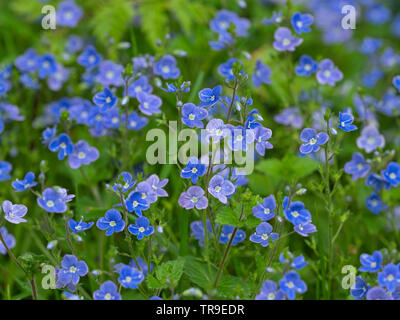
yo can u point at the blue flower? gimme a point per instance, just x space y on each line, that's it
54 200
378 293
157 185
166 68
297 213
27 62
290 116
136 122
370 46
220 188
389 277
68 14
262 74
193 197
108 291
302 22
198 231
25 184
262 135
105 99
63 145
139 85
275 18
396 82
9 239
263 234
141 228
291 284
269 291
79 226
57 79
225 69
306 67
377 182
192 115
227 233
299 262
112 222
240 138
266 210
127 182
74 44
71 271
357 167
89 58
185 87
193 170
135 202
345 122
371 263
223 20
304 229
110 73
377 14
130 277
392 174
46 65
312 140
82 154
149 103
209 97
375 204
285 41
359 289
13 213
328 73
4 87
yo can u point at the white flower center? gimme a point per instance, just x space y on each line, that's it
290 284
194 199
392 176
192 116
165 69
217 189
267 211
72 269
286 42
113 223
50 204
264 236
313 141
194 170
295 214
81 155
141 229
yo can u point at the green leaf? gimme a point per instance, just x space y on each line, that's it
232 287
197 272
169 273
153 283
154 20
229 216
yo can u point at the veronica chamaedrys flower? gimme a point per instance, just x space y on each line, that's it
171 88
220 188
328 73
46 65
227 232
193 170
240 137
396 82
262 135
141 228
357 167
262 74
304 229
136 203
370 139
166 68
299 263
127 182
375 204
345 122
389 277
377 182
71 270
297 213
62 145
68 14
56 80
105 99
269 291
301 22
112 222
215 130
392 174
223 20
54 200
136 122
192 115
263 234
108 291
149 103
25 184
306 67
157 185
130 277
360 288
9 239
4 87
89 58
276 18
291 284
312 140
193 198
285 41
110 74
27 62
226 69
290 117
14 212
141 84
74 44
79 226
209 97
371 263
198 231
266 210
378 293
82 154
147 192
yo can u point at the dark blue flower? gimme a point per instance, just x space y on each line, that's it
389 277
136 203
54 200
89 58
377 182
193 170
149 103
357 167
209 97
5 168
26 183
302 22
166 68
306 67
266 210
297 213
299 262
269 291
262 74
130 277
226 70
192 115
105 99
47 65
63 145
27 62
71 270
136 122
304 229
345 122
392 174
375 204
312 140
108 291
110 74
360 288
141 228
264 234
127 182
112 222
139 85
396 82
227 233
79 226
291 284
371 263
